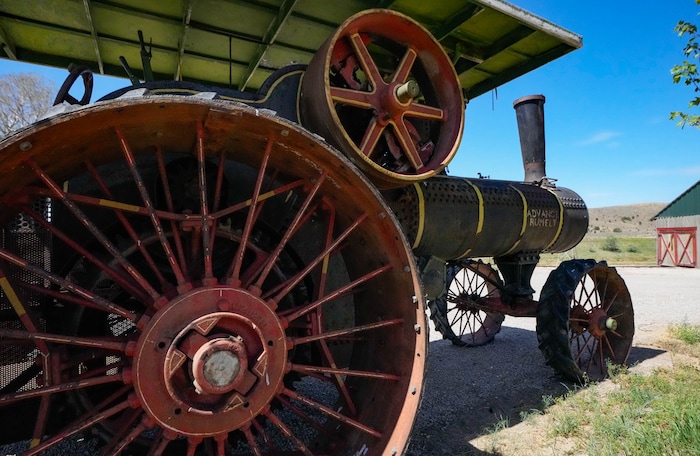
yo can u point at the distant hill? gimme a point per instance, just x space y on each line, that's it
632 220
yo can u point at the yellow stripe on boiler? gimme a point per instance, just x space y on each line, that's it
480 222
561 220
524 225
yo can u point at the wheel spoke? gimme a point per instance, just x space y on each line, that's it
344 332
22 310
41 422
125 223
349 372
171 208
408 145
251 440
94 419
284 288
160 442
371 137
420 111
288 433
405 66
331 413
251 218
293 226
203 211
115 275
365 59
613 355
95 231
350 97
128 432
112 344
62 387
90 299
148 204
339 292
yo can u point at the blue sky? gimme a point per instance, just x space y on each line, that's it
607 129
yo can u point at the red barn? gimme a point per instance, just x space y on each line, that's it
676 230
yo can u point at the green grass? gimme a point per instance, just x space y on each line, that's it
630 251
653 414
686 333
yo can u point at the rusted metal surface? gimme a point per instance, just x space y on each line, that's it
217 279
383 91
529 112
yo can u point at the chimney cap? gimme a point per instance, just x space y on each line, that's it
527 98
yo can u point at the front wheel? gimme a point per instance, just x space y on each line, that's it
455 314
585 319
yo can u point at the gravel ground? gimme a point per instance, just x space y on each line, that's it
469 389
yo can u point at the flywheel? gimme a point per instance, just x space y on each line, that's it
384 92
187 276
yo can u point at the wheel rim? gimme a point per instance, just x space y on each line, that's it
467 325
585 319
210 288
399 128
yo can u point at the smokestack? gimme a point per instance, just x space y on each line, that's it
529 112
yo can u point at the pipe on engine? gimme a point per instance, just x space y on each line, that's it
529 113
454 217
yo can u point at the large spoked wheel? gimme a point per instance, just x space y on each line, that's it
455 314
585 320
383 91
189 277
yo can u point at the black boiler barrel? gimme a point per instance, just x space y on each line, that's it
454 217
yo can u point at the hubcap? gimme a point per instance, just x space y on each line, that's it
209 361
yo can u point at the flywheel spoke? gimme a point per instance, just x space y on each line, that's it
366 61
406 65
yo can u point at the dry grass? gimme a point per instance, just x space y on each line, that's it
620 235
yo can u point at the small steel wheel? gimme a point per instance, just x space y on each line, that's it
585 320
454 313
383 91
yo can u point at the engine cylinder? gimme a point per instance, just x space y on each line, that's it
453 217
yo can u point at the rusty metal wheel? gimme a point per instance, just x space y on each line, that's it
585 319
383 91
454 313
182 276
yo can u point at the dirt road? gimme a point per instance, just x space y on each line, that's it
469 389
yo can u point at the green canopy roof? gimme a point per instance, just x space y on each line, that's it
239 43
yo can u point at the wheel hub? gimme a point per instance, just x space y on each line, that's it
219 365
209 361
599 322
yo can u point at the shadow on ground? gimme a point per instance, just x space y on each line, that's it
471 391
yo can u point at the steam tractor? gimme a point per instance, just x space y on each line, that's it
237 252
